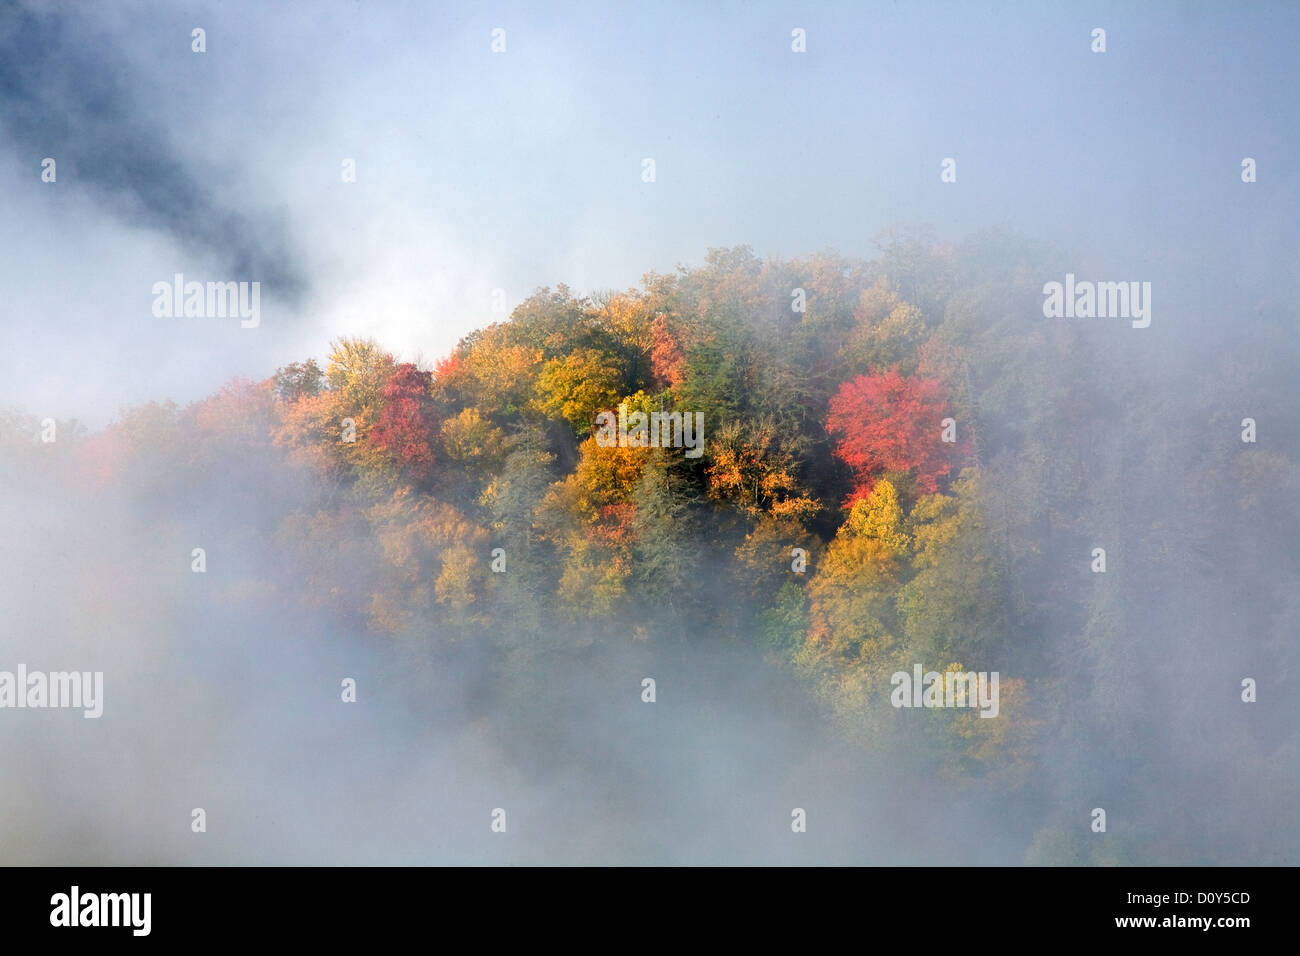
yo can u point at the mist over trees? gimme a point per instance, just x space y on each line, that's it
903 463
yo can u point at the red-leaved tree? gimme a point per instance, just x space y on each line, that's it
408 423
888 423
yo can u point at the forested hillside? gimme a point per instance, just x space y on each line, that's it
902 462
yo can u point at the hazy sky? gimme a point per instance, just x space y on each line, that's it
514 170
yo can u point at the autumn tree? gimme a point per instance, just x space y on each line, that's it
589 517
887 422
471 438
357 374
408 426
667 359
751 467
329 429
886 333
297 380
628 323
579 385
854 631
435 565
955 604
495 376
854 587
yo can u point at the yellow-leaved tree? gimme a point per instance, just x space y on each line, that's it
854 633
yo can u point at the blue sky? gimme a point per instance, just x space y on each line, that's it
479 171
